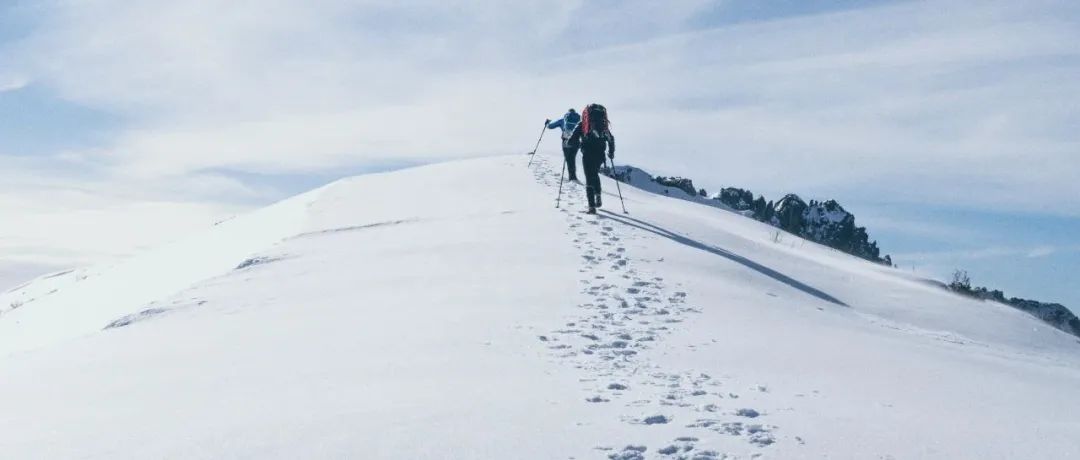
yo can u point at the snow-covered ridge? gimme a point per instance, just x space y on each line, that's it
827 223
1055 314
69 304
427 314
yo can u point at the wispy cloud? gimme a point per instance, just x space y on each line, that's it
54 217
1043 251
949 97
992 252
876 221
12 82
965 103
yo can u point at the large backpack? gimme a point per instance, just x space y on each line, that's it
595 124
595 120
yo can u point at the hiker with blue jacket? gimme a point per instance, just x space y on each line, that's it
568 122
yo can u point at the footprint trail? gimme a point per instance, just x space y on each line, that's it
629 310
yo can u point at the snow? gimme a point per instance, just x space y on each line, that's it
822 214
103 294
450 311
646 182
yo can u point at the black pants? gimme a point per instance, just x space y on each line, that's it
571 161
592 161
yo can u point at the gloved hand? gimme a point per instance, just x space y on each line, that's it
547 121
611 155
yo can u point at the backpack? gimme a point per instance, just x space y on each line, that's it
570 121
595 124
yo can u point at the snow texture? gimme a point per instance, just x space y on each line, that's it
467 318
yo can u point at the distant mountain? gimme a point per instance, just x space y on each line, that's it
827 222
1055 314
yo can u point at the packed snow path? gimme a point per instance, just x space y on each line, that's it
449 311
629 309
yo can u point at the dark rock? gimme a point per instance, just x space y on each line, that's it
680 183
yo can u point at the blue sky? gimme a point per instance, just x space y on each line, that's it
948 127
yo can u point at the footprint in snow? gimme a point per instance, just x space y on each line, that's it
656 420
629 453
681 447
748 413
710 408
760 435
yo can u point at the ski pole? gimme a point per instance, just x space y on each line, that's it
617 187
557 200
537 145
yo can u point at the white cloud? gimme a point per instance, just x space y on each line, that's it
966 103
51 218
950 97
1042 251
12 82
921 227
992 252
76 224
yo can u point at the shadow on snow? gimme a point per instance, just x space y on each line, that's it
651 228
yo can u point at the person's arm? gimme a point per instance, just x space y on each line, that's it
555 124
611 145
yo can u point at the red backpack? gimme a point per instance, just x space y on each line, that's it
594 123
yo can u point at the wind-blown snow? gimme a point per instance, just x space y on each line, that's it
450 311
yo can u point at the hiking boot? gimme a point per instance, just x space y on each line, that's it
591 210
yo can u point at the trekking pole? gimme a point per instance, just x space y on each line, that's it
557 200
617 187
537 145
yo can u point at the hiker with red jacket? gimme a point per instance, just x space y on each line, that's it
594 135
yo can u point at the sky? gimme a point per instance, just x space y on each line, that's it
947 127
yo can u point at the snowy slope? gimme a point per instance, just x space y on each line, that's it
450 311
